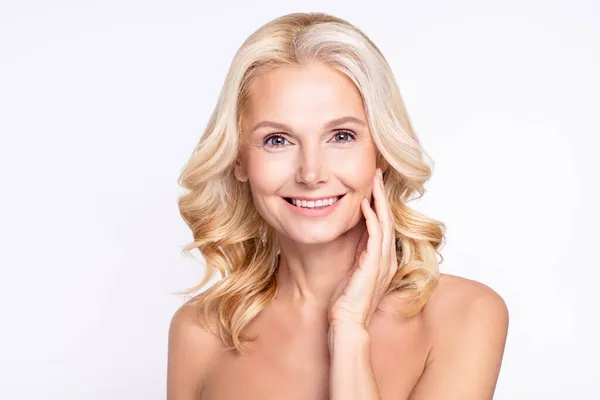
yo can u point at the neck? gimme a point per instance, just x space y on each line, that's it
308 274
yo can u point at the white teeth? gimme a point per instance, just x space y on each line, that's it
314 204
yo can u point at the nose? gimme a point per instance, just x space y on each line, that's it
312 167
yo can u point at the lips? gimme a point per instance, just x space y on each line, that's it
322 211
289 199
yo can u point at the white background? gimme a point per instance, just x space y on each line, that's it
102 102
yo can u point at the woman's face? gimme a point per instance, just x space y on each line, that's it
292 151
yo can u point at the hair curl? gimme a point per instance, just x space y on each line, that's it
227 229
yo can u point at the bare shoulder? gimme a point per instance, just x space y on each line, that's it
457 300
190 351
466 323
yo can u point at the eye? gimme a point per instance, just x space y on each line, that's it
341 136
278 142
344 135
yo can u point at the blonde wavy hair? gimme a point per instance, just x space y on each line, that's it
229 232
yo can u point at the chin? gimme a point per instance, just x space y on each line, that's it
316 233
314 240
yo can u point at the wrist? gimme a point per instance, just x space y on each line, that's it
349 338
348 328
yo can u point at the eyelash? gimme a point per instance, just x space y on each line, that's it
351 134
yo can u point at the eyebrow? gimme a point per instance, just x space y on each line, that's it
328 125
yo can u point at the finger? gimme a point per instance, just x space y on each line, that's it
374 230
388 227
383 213
362 243
387 212
377 198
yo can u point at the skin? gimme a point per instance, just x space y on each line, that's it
322 337
311 161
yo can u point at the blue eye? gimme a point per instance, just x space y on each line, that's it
344 133
278 143
341 136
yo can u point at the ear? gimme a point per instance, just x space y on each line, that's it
239 171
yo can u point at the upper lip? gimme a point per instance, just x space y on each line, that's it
313 198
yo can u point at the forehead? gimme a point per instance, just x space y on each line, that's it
303 96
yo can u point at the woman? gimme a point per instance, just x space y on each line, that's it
297 195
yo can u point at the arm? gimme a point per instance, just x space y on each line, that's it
190 351
351 370
467 351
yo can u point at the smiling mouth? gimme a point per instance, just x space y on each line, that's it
314 204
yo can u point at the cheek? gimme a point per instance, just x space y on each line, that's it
357 167
265 173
